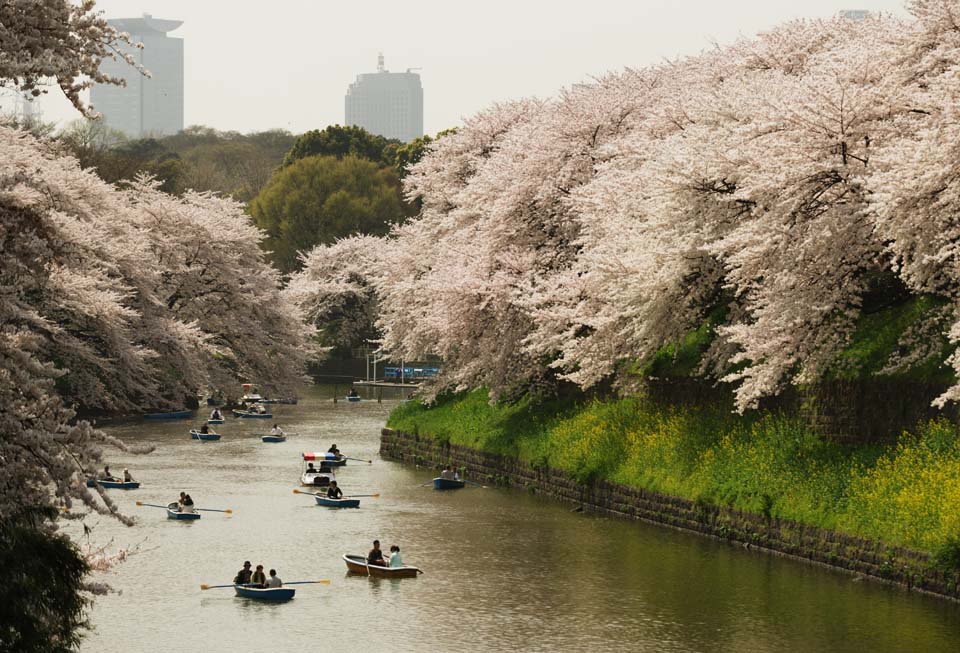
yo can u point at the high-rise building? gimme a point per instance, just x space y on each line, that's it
145 106
854 14
387 104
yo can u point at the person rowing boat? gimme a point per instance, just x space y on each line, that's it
375 557
243 576
334 492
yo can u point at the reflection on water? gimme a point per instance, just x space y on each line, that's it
502 570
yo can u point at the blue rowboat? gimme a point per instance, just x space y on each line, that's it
179 414
247 414
349 398
113 485
210 437
265 593
173 512
274 438
447 484
216 421
337 503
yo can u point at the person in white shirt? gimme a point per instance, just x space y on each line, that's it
274 580
395 560
276 430
446 474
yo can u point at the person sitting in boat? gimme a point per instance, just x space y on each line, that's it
274 580
259 409
311 469
353 393
216 414
375 557
447 474
258 577
187 505
276 430
204 429
127 478
395 560
107 476
325 468
333 449
243 576
334 492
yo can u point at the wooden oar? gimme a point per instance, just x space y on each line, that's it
472 483
153 505
352 496
359 460
325 581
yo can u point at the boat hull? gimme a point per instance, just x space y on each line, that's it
317 480
447 484
113 485
173 513
265 593
206 437
274 438
337 503
358 565
179 414
216 421
354 399
242 414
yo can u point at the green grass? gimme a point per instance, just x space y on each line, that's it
772 464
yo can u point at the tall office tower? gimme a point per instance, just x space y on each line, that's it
854 14
146 106
387 104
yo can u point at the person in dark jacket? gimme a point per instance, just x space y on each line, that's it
243 576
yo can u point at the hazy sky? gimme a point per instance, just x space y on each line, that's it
287 63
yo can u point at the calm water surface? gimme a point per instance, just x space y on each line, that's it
503 570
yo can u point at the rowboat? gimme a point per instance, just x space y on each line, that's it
316 477
197 435
216 421
329 459
265 593
274 438
337 503
441 483
358 565
179 414
113 485
173 512
248 414
352 398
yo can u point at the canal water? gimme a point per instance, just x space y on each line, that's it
503 570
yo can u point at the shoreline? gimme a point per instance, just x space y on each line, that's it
862 557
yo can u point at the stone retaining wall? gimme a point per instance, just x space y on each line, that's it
861 556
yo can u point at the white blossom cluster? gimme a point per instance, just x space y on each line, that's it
771 178
44 41
120 300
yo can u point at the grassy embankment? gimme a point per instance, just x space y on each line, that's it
903 493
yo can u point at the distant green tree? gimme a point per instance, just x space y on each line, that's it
320 199
339 142
41 596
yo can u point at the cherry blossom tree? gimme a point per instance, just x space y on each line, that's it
42 40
